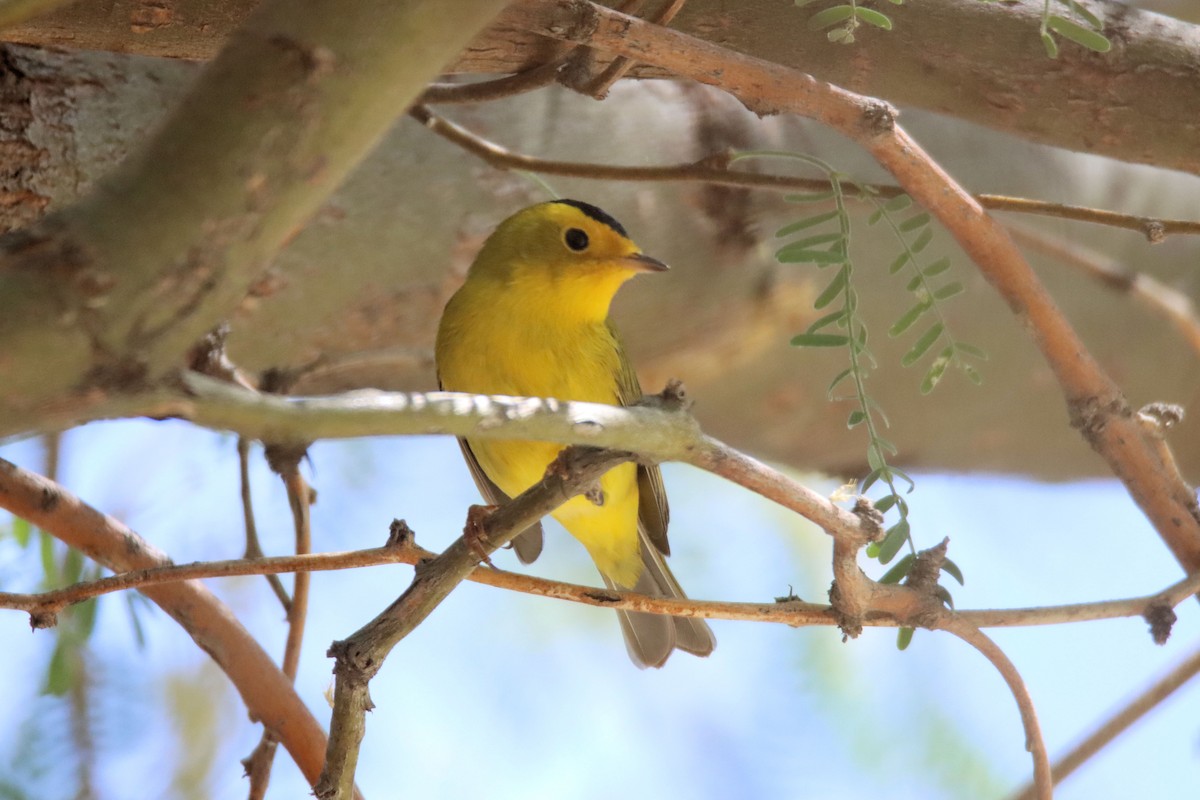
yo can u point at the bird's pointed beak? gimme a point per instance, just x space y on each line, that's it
640 262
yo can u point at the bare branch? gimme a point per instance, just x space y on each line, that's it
1034 742
360 657
264 689
1168 303
716 169
1122 720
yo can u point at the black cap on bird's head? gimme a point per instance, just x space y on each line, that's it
598 214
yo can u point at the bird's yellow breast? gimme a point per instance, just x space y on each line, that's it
489 344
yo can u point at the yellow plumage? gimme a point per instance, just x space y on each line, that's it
531 320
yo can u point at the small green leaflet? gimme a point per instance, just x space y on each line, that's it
1092 40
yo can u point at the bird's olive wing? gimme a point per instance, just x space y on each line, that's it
653 512
528 542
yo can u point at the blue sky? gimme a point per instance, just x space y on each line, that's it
502 695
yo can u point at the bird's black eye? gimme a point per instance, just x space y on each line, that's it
576 239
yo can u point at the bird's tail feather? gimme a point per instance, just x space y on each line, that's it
650 638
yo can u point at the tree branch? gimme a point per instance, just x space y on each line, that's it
981 62
1034 742
264 689
45 605
1122 720
361 656
1172 305
1095 403
716 169
108 294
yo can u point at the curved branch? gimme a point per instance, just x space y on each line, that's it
1034 742
267 693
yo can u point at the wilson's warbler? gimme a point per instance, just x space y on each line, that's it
532 319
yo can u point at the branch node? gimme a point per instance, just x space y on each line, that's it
42 619
284 459
400 535
1161 618
353 664
1090 415
1154 230
880 117
871 517
927 568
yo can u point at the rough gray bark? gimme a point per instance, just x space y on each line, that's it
371 273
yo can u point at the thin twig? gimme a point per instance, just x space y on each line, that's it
716 169
622 64
253 546
1034 742
360 657
794 613
285 460
1122 720
495 89
1171 304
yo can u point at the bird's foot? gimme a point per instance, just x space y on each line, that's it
476 533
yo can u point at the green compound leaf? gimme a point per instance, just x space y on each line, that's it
810 197
841 376
970 350
1092 40
1091 18
937 267
949 290
1050 45
900 569
820 340
897 204
936 370
826 321
885 503
873 17
899 263
908 318
857 417
915 221
834 288
922 345
830 16
897 535
922 241
807 222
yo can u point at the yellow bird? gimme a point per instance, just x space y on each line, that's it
532 320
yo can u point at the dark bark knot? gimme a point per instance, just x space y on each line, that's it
1090 415
879 117
1161 618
